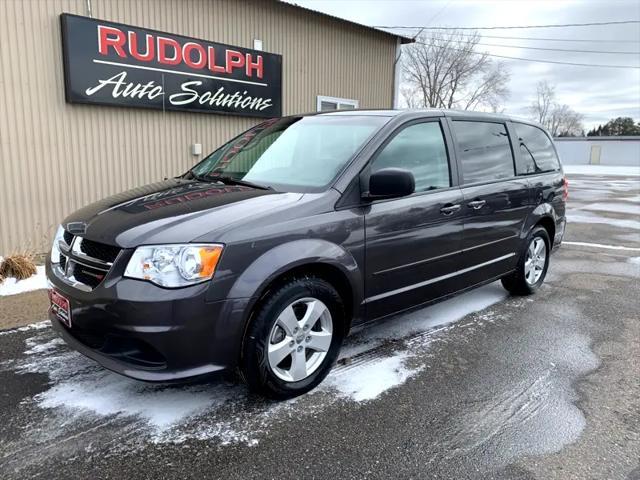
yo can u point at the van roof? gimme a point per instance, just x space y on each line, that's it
431 112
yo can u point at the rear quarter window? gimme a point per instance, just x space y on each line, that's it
537 154
484 151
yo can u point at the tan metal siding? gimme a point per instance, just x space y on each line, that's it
56 157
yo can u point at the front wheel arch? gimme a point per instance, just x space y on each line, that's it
255 362
325 271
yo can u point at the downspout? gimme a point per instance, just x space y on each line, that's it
396 74
89 14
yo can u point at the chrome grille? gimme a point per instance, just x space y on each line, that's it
89 276
84 263
100 251
68 237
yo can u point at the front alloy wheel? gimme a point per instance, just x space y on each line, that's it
300 339
294 338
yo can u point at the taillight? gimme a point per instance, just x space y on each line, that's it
565 189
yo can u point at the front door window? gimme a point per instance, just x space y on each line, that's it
421 149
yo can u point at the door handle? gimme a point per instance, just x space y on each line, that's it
477 204
449 209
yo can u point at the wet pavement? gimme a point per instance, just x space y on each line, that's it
481 386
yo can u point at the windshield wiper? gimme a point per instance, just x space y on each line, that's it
236 181
226 179
200 178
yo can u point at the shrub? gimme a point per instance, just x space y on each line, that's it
19 266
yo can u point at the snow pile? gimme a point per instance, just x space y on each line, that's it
368 380
11 286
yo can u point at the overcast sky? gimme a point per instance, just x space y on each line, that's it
598 93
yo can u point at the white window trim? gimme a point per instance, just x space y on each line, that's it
339 101
396 74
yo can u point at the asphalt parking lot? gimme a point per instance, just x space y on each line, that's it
481 386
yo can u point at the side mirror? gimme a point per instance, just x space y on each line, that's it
390 183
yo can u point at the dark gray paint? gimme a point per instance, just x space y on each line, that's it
394 254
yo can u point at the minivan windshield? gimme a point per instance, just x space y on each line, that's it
302 154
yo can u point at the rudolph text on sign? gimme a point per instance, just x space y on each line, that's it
114 64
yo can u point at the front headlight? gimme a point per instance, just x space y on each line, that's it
55 249
174 265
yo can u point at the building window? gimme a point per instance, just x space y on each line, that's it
328 104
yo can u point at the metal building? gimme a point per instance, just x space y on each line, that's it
617 151
70 134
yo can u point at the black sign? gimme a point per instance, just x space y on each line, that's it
110 63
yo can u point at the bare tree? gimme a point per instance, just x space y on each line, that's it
560 119
566 122
542 105
443 70
410 97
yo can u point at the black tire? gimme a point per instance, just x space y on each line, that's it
516 283
254 364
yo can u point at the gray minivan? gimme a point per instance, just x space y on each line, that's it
269 251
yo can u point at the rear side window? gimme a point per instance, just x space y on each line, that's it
484 151
421 149
536 151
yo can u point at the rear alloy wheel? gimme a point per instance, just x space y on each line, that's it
535 261
294 338
532 265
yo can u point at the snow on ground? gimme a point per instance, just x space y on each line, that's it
26 328
600 245
601 170
630 207
601 186
366 382
635 260
81 391
81 394
579 216
11 286
428 319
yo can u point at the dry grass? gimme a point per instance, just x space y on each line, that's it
21 263
19 266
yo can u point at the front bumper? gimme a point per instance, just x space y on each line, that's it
151 333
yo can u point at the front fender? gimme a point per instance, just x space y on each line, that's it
285 257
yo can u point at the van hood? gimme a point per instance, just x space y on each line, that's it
172 211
